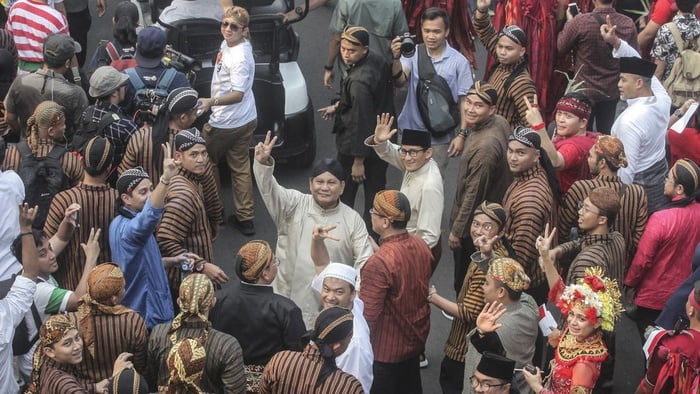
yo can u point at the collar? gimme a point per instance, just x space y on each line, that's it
50 73
359 63
85 186
256 288
330 211
394 238
190 176
483 125
311 352
533 172
421 171
107 106
592 239
446 53
609 178
53 364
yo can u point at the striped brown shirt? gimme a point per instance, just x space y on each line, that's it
596 250
630 221
70 163
113 335
58 378
470 302
184 226
223 369
529 205
510 103
97 209
139 152
291 372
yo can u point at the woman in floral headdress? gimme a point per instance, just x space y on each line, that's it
590 306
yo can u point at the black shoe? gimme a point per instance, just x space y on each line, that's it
246 227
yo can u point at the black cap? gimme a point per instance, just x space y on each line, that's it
496 366
415 138
637 66
328 165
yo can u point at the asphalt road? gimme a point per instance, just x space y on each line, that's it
314 37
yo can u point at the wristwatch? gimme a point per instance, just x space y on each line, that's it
299 11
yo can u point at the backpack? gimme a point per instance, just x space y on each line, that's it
145 98
679 373
120 62
439 111
683 82
90 129
21 343
43 178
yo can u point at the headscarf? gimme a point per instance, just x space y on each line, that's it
332 326
510 273
574 106
393 205
179 101
130 178
606 200
515 33
98 155
196 295
188 138
328 165
493 211
531 138
597 295
128 381
687 174
251 260
485 91
356 35
612 150
104 281
186 361
52 331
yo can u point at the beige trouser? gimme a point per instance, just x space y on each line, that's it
233 144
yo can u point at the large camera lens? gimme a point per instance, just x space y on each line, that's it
408 46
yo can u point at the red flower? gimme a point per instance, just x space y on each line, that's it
594 283
591 314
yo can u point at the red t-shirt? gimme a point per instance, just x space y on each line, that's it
685 145
574 150
663 11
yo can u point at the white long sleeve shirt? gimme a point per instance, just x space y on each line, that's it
642 126
11 196
295 215
12 310
424 190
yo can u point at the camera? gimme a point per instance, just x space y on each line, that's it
180 61
408 45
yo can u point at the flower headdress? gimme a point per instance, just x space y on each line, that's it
597 295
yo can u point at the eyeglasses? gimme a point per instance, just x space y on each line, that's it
582 207
373 212
484 226
233 26
410 152
476 383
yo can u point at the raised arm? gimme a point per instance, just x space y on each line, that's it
319 252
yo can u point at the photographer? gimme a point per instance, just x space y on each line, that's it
150 48
449 64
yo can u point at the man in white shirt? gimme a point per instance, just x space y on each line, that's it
11 196
335 282
642 126
18 300
295 214
422 182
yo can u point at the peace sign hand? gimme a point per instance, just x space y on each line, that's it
383 130
320 232
532 115
263 149
170 165
608 32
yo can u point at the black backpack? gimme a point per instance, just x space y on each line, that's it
43 178
439 111
21 343
146 97
90 129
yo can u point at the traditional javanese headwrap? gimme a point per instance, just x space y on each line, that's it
105 280
187 138
485 91
612 150
332 326
526 136
130 178
186 361
596 295
251 260
687 174
181 100
128 380
510 273
196 294
52 331
574 106
392 204
330 165
494 212
356 35
98 154
605 199
515 33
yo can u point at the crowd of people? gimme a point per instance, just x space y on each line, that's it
585 197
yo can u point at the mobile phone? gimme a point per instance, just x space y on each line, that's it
573 9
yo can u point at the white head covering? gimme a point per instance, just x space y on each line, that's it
341 271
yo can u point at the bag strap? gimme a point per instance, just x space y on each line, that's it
426 70
598 18
37 322
56 152
107 119
24 150
134 78
680 44
166 78
112 51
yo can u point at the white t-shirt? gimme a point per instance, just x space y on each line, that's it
234 71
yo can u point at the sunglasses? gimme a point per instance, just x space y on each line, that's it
233 26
